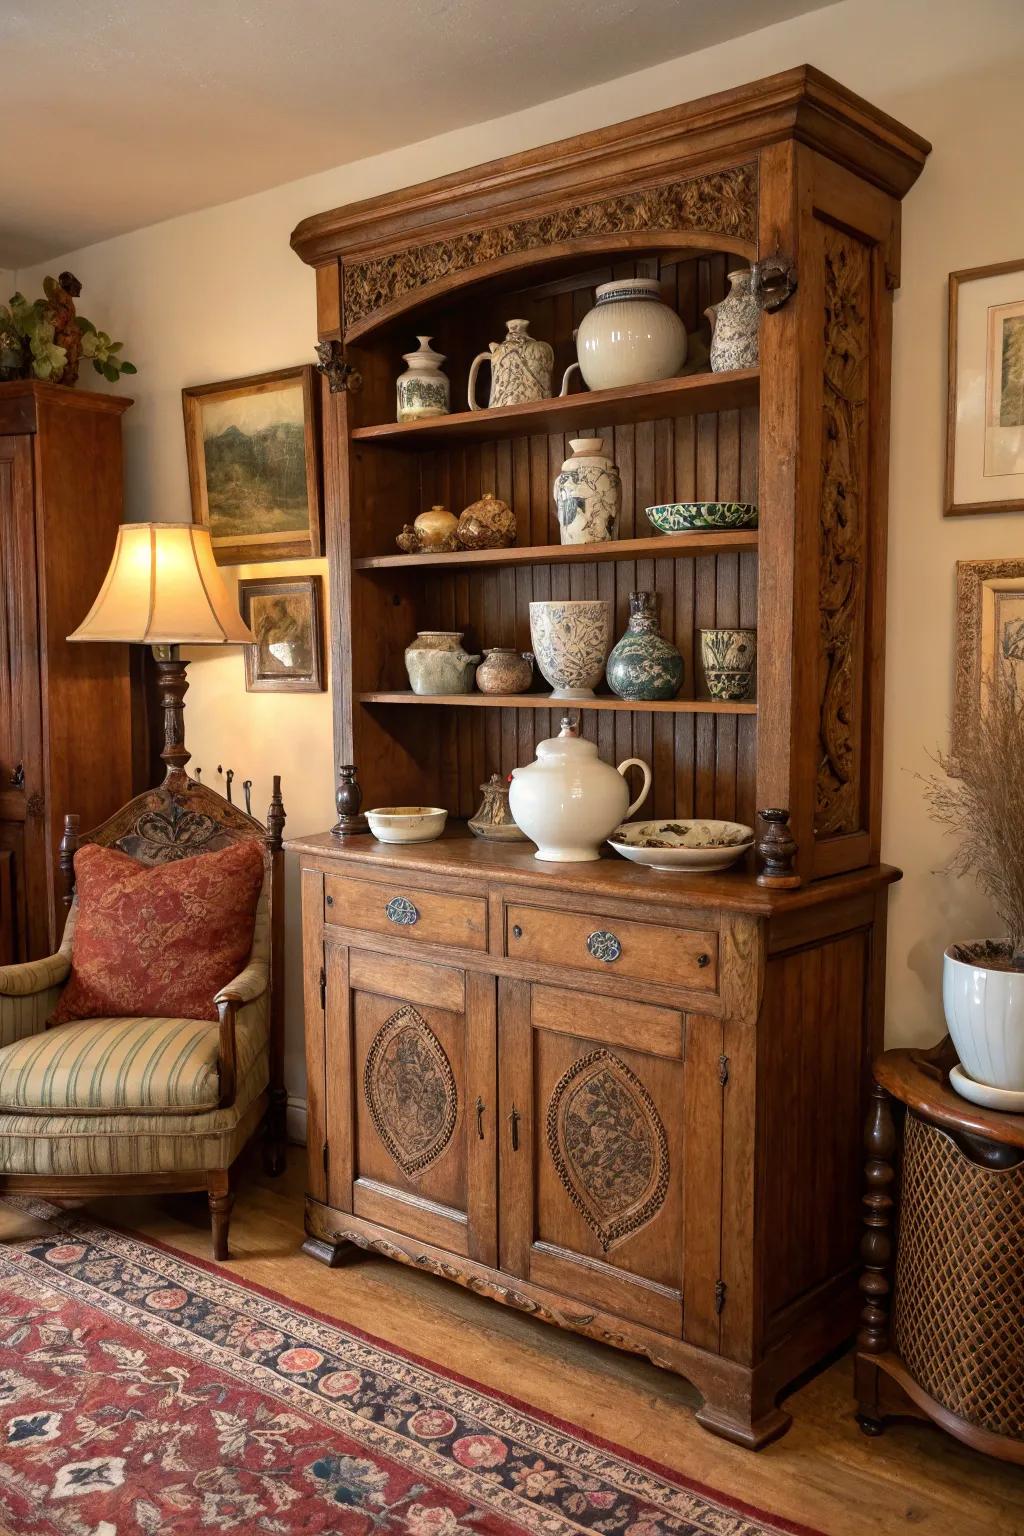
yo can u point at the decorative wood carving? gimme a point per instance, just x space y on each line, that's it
718 202
773 281
841 570
339 374
410 1091
608 1145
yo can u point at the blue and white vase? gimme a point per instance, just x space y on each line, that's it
588 494
644 665
423 389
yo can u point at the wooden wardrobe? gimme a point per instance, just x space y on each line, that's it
65 710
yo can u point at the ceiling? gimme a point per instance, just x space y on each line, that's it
120 113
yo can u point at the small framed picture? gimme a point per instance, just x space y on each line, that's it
985 420
285 615
254 464
989 637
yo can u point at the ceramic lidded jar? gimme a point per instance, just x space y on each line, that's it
504 670
629 337
423 389
520 367
568 801
588 494
735 322
570 642
437 664
644 665
488 523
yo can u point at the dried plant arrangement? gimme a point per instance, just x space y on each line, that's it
979 797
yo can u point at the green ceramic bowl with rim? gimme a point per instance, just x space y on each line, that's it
702 516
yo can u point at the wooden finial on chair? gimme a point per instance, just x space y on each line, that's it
275 818
66 857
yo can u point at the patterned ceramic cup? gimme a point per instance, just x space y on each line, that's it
570 643
729 657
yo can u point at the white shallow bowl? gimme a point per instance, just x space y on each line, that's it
1007 1099
689 846
407 823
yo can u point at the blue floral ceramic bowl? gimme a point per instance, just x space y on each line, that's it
702 516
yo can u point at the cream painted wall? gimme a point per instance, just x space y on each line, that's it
218 294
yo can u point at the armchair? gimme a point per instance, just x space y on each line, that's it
124 1105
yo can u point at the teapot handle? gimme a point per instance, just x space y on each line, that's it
474 369
566 376
636 762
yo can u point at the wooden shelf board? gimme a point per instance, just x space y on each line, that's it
689 396
545 701
657 546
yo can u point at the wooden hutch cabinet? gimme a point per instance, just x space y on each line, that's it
662 1150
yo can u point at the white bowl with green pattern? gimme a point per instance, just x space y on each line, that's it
702 516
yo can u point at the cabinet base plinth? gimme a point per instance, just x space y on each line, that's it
735 1421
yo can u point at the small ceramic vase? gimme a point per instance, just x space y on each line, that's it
735 324
520 368
504 670
570 642
588 494
629 337
487 524
433 533
729 657
423 389
494 821
437 664
643 665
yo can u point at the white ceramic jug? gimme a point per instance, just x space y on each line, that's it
520 368
568 800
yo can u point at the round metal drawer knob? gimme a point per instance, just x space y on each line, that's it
517 932
330 901
703 960
603 945
401 910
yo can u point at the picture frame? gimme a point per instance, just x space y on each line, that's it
253 449
985 401
989 637
286 616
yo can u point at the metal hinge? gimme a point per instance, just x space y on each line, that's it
723 1070
720 1290
323 988
327 1156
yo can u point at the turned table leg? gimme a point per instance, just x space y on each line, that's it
876 1257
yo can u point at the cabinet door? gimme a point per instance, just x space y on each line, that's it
410 1088
594 1198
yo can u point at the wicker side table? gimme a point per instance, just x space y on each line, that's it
946 1320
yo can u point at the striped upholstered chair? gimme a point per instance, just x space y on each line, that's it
114 1105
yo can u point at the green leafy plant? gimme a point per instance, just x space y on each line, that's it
44 338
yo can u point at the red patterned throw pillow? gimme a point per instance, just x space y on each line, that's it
159 941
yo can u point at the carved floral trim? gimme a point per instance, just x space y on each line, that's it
718 202
410 1091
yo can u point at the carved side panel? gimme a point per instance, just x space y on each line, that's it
410 1091
720 202
608 1146
842 549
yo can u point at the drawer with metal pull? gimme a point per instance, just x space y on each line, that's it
655 952
406 911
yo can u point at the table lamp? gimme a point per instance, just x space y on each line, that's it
163 589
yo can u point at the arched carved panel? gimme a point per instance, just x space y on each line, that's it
608 1145
718 202
410 1091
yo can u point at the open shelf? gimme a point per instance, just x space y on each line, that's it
659 546
688 396
545 701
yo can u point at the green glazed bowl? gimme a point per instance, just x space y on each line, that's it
702 516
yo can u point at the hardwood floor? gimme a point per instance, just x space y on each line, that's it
824 1473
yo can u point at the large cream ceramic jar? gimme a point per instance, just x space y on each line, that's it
629 337
568 800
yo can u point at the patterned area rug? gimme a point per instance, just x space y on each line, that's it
141 1392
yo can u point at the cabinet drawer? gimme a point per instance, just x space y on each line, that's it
413 913
674 957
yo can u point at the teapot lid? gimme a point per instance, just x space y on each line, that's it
568 743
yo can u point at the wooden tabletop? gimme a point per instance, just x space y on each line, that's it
920 1079
461 855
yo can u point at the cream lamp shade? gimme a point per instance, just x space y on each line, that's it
163 588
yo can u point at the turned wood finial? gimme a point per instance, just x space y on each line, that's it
349 797
776 847
876 1243
276 818
66 857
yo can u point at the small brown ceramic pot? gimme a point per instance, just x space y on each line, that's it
505 671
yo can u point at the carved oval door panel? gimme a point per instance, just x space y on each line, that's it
608 1145
410 1091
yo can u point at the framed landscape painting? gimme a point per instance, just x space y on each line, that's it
286 618
985 425
253 465
989 638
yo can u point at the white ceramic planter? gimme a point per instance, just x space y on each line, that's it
985 1016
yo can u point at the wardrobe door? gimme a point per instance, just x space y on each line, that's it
22 787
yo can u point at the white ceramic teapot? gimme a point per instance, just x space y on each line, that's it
568 801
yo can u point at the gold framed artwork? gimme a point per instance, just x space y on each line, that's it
286 616
254 464
989 637
985 413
